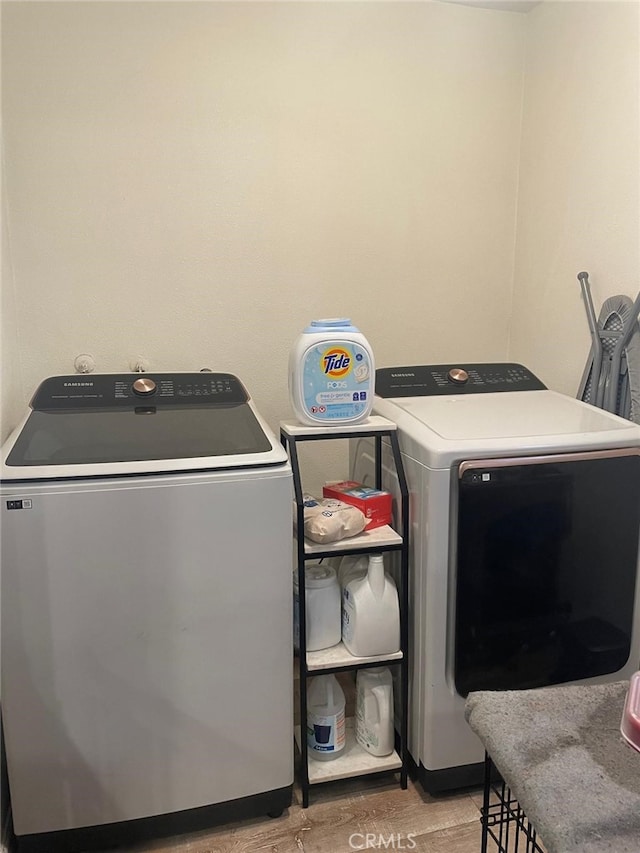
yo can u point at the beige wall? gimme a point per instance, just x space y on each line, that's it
579 196
194 182
11 392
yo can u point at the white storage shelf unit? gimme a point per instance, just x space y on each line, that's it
354 760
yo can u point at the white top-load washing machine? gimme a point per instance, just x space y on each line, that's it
524 520
146 610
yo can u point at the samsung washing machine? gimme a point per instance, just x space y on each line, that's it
524 520
146 610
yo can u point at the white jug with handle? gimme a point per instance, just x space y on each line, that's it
374 710
352 566
370 612
326 736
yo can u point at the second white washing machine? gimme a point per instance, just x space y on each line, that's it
525 518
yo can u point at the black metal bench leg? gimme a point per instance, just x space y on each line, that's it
485 803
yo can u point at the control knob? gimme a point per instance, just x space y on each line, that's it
144 386
458 376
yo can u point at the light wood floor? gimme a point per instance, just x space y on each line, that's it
339 817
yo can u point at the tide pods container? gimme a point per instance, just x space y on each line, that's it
331 374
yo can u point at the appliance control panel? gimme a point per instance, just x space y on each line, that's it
116 390
429 380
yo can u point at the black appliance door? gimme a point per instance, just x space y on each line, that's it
546 568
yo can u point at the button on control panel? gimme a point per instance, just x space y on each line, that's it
458 375
144 387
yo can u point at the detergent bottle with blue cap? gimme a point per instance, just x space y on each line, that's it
331 374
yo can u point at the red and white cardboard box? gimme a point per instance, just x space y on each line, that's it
376 504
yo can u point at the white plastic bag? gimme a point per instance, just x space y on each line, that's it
330 520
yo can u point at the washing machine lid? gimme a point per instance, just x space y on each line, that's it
508 417
442 423
115 424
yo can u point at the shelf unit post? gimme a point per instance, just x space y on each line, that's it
292 450
404 601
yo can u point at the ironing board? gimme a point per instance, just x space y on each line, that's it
560 751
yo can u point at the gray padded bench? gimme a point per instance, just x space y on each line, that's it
560 751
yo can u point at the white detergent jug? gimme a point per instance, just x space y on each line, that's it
374 710
322 594
371 613
325 718
352 566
